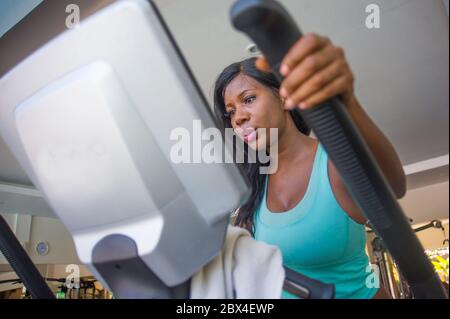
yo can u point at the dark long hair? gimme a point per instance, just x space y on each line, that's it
247 67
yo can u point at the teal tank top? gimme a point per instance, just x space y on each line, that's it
318 239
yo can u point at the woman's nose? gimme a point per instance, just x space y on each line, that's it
240 116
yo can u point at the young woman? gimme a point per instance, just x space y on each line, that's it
304 208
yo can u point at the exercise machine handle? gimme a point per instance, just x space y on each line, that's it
274 31
21 263
305 287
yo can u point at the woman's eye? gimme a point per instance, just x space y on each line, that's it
249 99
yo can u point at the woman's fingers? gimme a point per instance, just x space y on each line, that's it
315 70
300 50
333 89
310 66
316 83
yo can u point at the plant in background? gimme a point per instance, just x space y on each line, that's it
439 260
441 267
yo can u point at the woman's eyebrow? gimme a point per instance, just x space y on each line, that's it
243 92
240 95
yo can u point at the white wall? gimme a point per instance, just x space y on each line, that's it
427 203
50 230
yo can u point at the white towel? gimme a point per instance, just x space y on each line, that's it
244 269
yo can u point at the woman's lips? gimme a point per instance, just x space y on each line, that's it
248 134
250 137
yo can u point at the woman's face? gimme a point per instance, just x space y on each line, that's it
251 106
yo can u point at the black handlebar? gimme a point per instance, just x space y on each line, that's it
274 31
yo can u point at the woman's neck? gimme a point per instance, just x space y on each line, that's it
292 145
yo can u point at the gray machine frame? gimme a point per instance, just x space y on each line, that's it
140 222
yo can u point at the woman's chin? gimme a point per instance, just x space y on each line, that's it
256 145
253 145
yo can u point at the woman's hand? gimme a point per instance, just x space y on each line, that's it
314 70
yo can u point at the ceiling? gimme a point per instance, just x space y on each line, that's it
401 69
11 11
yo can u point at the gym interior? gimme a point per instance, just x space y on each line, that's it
53 51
